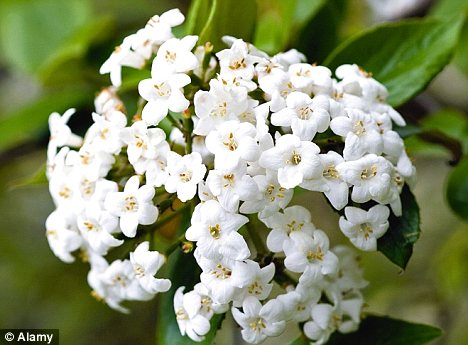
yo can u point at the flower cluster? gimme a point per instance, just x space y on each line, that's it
232 134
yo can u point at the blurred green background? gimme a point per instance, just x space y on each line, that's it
50 54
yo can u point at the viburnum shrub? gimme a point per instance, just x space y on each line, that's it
226 138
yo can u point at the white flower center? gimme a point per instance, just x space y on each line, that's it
170 56
222 272
220 110
230 142
316 255
366 229
359 128
255 288
330 172
131 204
214 231
304 113
162 90
185 176
369 172
257 325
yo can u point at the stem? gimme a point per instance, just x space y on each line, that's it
188 129
168 218
256 239
175 245
174 122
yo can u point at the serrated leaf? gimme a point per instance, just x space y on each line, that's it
397 243
457 189
212 19
182 271
26 123
377 330
405 56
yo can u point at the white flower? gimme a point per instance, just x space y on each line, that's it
60 133
218 105
370 176
96 227
224 278
215 232
295 160
197 326
134 206
237 60
259 322
144 145
123 55
277 88
271 198
363 228
282 225
361 132
231 142
107 101
330 181
326 318
304 115
119 277
163 93
184 174
314 79
106 132
232 185
92 164
175 56
259 285
298 302
206 306
310 255
62 235
146 264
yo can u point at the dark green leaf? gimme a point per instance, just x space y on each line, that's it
212 19
182 271
321 34
376 330
457 189
293 15
31 31
37 178
397 243
404 56
28 122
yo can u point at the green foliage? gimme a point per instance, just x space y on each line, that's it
29 121
279 22
212 19
322 33
32 32
405 56
377 330
457 189
397 243
446 8
450 268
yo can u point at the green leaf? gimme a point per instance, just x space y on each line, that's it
397 243
183 270
37 178
457 189
212 19
31 31
404 56
377 330
293 15
26 123
321 34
